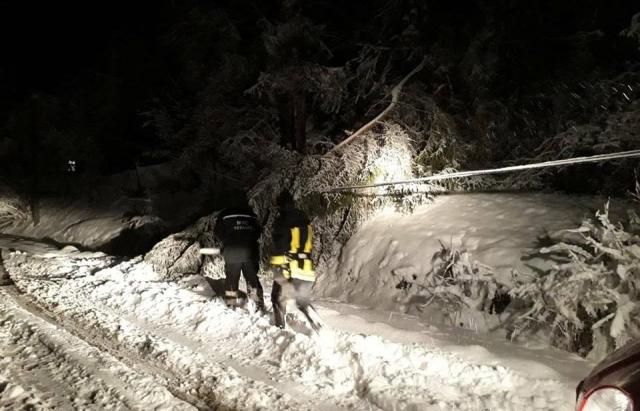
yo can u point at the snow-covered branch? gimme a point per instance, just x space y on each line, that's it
395 93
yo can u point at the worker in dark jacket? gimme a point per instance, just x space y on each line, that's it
291 257
238 230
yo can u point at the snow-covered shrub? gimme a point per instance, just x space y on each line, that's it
178 255
457 285
393 160
443 143
13 208
444 148
633 31
589 301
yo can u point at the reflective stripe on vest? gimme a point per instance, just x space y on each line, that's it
295 240
309 242
238 216
305 273
290 268
278 260
290 263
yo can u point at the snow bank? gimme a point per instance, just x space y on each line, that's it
78 222
213 355
127 213
503 231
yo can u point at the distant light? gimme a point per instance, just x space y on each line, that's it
71 166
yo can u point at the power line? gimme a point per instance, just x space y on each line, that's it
460 174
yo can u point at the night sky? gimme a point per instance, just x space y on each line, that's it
95 68
46 45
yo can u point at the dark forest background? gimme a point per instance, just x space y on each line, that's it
114 86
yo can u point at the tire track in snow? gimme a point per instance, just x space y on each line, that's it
190 375
213 354
346 369
246 342
45 366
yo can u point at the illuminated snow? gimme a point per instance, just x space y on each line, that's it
367 359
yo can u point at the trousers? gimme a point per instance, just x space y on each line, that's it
292 289
249 270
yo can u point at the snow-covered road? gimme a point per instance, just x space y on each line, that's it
213 357
113 334
44 366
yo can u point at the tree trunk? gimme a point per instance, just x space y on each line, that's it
300 122
286 119
4 275
34 151
292 113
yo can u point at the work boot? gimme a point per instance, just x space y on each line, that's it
257 297
233 299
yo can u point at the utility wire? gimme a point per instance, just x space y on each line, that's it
460 174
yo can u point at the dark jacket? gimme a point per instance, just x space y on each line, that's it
289 218
238 230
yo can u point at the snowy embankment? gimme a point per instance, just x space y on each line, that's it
75 222
211 356
503 231
126 212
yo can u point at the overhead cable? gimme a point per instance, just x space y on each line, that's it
509 169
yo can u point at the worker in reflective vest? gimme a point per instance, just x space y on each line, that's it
291 258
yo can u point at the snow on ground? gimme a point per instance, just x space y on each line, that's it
103 320
149 200
77 222
239 360
43 366
498 230
539 361
210 356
